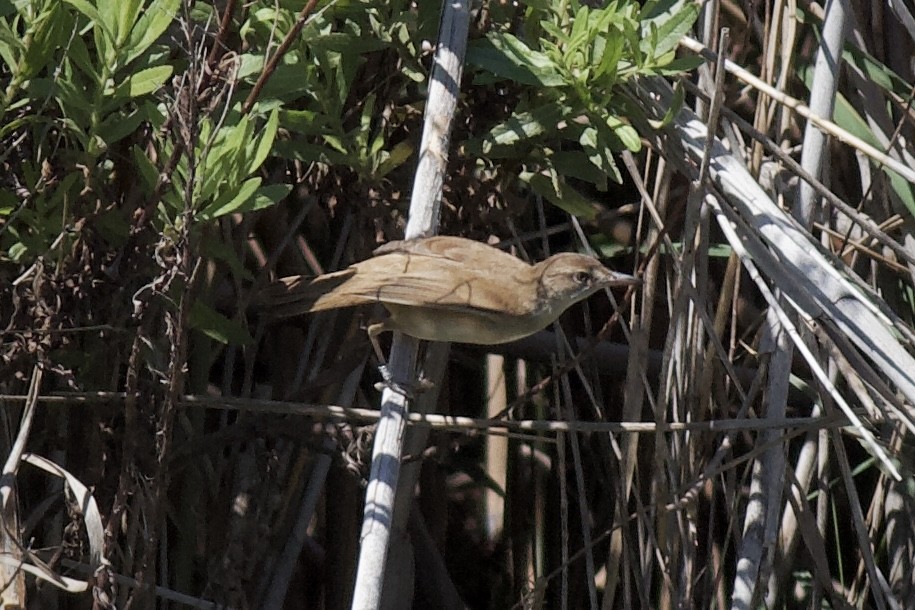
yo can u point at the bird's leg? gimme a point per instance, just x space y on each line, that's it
373 330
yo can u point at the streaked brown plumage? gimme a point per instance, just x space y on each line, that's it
450 289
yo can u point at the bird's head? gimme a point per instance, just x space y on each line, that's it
568 278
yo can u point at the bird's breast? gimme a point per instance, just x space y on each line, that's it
477 327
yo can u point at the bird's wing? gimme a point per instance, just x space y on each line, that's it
475 255
448 273
440 282
473 294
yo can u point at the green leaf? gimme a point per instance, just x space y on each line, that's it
108 11
576 164
11 126
147 171
526 125
508 57
267 196
73 100
8 8
250 66
126 17
672 25
8 203
17 251
904 189
600 144
264 143
143 82
336 142
46 33
76 131
396 157
845 114
10 47
579 27
212 246
599 153
224 165
553 189
263 197
877 72
609 57
306 122
607 247
555 31
289 81
872 69
216 326
151 25
78 57
361 135
518 129
629 137
90 11
687 63
676 105
231 201
846 117
349 43
104 49
540 5
309 153
120 124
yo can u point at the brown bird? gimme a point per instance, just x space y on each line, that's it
450 289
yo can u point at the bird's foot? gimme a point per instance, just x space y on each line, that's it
408 390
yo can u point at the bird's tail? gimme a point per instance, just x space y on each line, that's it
301 294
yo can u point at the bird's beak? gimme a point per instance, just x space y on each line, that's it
614 279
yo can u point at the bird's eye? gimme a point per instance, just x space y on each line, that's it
582 277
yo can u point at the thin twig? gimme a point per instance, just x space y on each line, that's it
269 69
451 422
796 105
